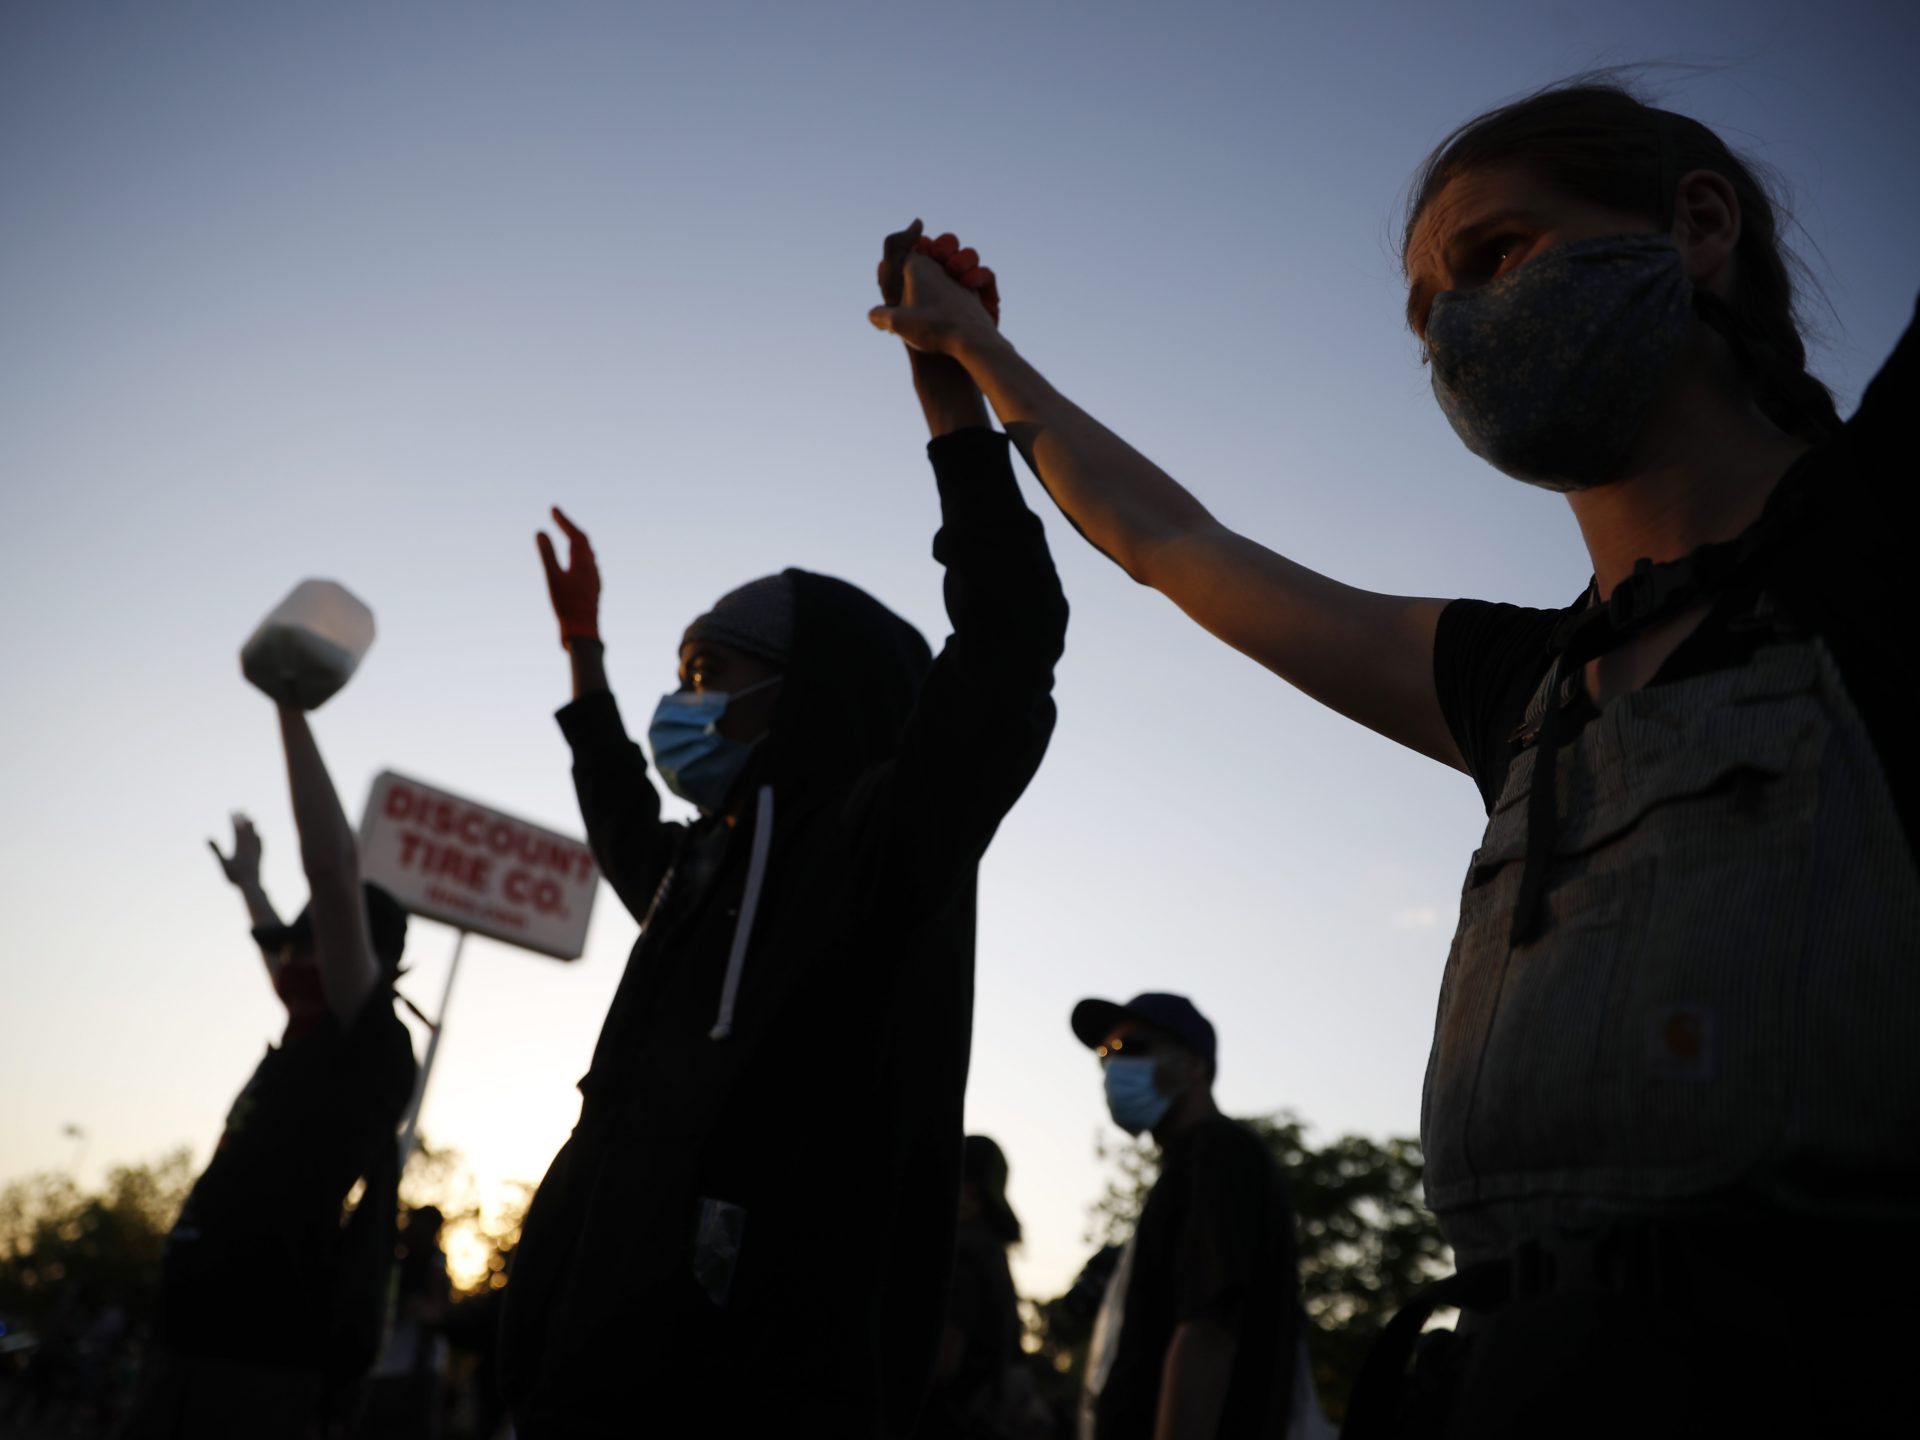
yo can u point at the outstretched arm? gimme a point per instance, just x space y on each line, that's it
1367 655
330 855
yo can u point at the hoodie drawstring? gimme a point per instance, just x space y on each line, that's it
749 905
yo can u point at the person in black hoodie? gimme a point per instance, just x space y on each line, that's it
793 1025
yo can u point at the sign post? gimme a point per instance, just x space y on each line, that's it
410 1127
482 872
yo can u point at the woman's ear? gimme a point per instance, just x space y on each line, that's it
1706 226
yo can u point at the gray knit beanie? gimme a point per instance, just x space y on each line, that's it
757 619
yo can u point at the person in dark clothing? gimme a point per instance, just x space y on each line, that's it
250 1320
1666 1083
1199 1334
472 1327
404 1398
975 1396
799 1002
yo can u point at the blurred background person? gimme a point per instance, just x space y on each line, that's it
405 1392
979 1390
1200 1331
263 1303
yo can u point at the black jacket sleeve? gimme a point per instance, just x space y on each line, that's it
985 711
631 843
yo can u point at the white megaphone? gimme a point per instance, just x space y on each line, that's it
309 645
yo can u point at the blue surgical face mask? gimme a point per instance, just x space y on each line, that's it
697 762
1133 1100
1548 372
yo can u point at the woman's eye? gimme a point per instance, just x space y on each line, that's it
1500 253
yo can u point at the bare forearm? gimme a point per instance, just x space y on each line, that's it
326 839
331 858
589 661
1367 655
1127 506
260 909
1194 1380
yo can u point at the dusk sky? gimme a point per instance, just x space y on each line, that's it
358 291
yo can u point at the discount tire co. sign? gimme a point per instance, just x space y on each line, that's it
452 860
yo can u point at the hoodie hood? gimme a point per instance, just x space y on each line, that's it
845 696
848 691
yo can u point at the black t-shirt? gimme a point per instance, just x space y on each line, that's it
1215 1240
1837 568
249 1263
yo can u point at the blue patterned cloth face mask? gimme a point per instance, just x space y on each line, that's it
1133 1100
698 763
1548 372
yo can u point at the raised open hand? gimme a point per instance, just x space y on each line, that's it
925 285
243 866
574 590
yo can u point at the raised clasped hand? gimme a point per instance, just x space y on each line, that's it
937 294
574 589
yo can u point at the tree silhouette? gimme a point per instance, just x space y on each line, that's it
53 1235
479 1238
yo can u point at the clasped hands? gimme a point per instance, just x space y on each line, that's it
929 288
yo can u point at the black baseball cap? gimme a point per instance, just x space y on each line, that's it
1093 1021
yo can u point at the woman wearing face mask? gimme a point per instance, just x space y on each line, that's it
1667 1083
792 1027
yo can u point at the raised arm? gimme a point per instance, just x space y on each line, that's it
329 852
618 803
985 711
1367 655
242 869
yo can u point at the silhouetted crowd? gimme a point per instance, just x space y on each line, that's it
1672 1108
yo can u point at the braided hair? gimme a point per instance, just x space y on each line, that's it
1592 139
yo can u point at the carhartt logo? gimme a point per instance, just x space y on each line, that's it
1680 1042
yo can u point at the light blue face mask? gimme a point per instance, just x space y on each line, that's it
698 763
1133 1100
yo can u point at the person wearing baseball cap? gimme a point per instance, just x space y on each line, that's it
1200 1330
